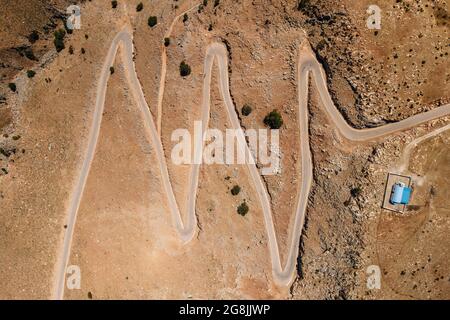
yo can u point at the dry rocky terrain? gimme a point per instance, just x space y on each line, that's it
124 241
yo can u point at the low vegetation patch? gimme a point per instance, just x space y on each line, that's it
12 86
152 21
139 7
185 69
355 192
235 190
33 37
31 73
242 209
273 120
114 4
59 39
166 42
246 110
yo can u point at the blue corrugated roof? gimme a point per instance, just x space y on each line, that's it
400 194
406 195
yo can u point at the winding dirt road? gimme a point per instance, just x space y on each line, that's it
307 64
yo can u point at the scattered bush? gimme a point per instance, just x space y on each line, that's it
185 69
114 4
83 51
216 3
12 86
31 73
166 42
139 7
235 190
33 37
185 17
273 120
210 27
205 3
152 21
59 39
28 52
242 209
70 49
246 110
302 4
111 70
355 192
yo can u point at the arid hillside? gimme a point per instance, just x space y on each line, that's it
124 239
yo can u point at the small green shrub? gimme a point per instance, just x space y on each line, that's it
185 69
185 17
166 42
83 51
235 190
33 37
302 4
205 3
273 120
111 70
31 73
29 54
114 4
355 192
152 21
70 49
246 110
242 209
59 39
12 86
139 7
216 3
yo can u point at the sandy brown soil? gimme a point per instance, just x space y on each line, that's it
123 219
411 248
124 241
52 119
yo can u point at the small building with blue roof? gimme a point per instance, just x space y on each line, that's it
400 194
